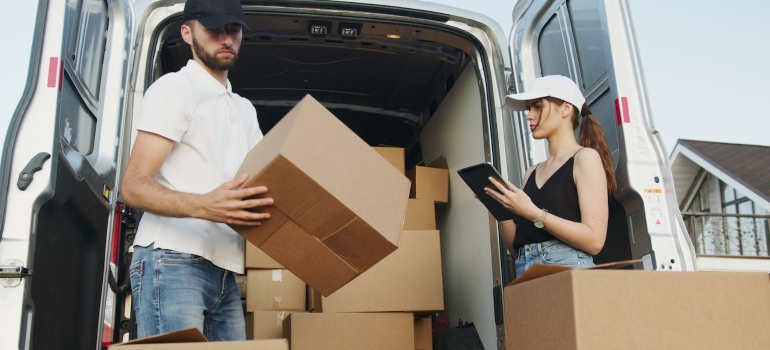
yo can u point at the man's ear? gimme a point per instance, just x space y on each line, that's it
186 32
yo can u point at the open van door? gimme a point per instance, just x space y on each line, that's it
58 175
592 42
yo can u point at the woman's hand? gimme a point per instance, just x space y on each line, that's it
513 199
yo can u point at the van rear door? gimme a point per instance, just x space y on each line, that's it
58 175
592 42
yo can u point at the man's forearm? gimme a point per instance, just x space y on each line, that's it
147 194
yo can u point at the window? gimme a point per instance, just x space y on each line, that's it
86 25
745 233
586 38
723 221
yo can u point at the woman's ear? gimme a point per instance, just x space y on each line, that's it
566 110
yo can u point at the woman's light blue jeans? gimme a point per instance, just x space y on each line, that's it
553 252
173 290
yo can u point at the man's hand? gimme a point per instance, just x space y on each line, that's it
231 205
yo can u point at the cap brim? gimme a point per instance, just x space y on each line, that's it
218 21
518 102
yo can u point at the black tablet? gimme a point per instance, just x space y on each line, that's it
477 177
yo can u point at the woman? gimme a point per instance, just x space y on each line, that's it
562 210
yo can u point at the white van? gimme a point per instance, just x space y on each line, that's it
413 74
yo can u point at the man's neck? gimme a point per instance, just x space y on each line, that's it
219 75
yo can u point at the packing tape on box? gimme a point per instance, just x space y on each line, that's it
277 275
276 303
281 316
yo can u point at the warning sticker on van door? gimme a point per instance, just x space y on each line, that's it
654 198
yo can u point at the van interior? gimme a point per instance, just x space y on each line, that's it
393 84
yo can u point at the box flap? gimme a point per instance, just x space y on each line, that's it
188 335
440 163
541 270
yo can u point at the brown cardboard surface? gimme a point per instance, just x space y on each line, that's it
274 290
394 155
540 270
324 179
420 215
266 324
410 279
429 183
264 344
257 259
633 309
423 333
188 335
349 331
192 339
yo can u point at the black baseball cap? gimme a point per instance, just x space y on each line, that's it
214 14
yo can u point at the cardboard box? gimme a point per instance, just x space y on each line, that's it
430 182
352 331
257 259
423 333
562 308
192 339
394 155
420 215
274 290
266 324
339 206
410 279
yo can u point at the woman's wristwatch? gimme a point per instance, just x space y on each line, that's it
540 223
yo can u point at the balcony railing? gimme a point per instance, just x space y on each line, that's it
729 234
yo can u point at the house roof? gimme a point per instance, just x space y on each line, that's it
745 167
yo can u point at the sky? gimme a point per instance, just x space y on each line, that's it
705 66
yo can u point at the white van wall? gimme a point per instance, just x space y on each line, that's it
456 132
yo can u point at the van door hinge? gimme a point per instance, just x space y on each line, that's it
11 273
35 164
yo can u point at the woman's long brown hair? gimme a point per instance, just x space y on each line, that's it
592 135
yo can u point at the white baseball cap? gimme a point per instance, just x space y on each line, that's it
557 86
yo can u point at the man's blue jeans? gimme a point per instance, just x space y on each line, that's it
173 290
553 252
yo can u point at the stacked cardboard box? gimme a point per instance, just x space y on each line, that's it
271 296
430 182
407 283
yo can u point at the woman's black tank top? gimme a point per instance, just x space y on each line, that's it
558 195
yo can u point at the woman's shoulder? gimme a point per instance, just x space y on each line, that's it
588 158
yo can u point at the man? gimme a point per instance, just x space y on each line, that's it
193 133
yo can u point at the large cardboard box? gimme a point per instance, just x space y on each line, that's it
394 155
430 182
410 279
257 259
420 215
274 290
562 308
339 206
350 331
192 339
265 324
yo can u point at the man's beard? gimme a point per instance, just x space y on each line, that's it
212 61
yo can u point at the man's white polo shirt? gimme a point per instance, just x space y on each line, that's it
213 129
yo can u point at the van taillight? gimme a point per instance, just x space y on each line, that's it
108 330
